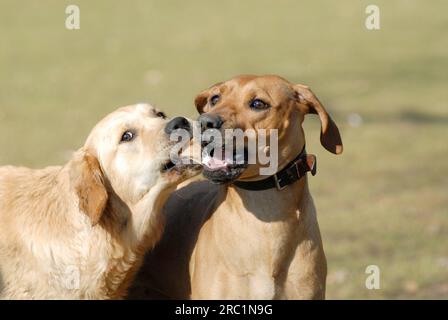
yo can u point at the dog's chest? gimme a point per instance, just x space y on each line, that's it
258 246
254 255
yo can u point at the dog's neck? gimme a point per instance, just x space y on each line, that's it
252 224
140 227
118 242
285 199
135 221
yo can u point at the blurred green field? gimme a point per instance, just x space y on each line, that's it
383 202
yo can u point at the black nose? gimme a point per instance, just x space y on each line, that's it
210 121
176 124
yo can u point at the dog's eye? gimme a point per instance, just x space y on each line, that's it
161 114
214 100
259 104
127 136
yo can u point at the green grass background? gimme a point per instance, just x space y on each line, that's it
383 202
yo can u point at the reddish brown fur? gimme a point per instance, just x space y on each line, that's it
223 242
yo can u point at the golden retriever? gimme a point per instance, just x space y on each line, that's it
79 231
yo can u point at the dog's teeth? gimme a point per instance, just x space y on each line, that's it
206 159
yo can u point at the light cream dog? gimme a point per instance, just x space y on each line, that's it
226 242
79 231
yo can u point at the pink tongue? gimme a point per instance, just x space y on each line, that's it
214 163
218 161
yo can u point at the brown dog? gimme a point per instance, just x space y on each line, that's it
228 242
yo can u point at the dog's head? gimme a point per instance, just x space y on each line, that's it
263 102
128 155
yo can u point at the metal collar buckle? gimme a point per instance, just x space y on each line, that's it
277 183
278 180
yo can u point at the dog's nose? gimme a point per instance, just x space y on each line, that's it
210 121
176 124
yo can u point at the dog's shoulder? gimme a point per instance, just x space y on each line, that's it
195 189
11 182
195 199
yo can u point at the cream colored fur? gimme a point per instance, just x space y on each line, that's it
79 231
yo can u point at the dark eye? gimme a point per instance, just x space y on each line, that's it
214 100
259 104
161 114
127 136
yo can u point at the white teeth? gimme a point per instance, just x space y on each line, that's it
206 160
239 156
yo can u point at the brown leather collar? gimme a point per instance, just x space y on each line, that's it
293 172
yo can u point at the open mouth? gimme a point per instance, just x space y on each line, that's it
221 167
168 166
218 159
182 162
180 166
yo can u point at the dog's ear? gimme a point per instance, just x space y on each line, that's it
201 100
329 137
88 183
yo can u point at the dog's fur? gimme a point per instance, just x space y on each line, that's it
223 242
79 231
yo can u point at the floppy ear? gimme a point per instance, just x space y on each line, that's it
329 136
201 101
202 98
88 182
